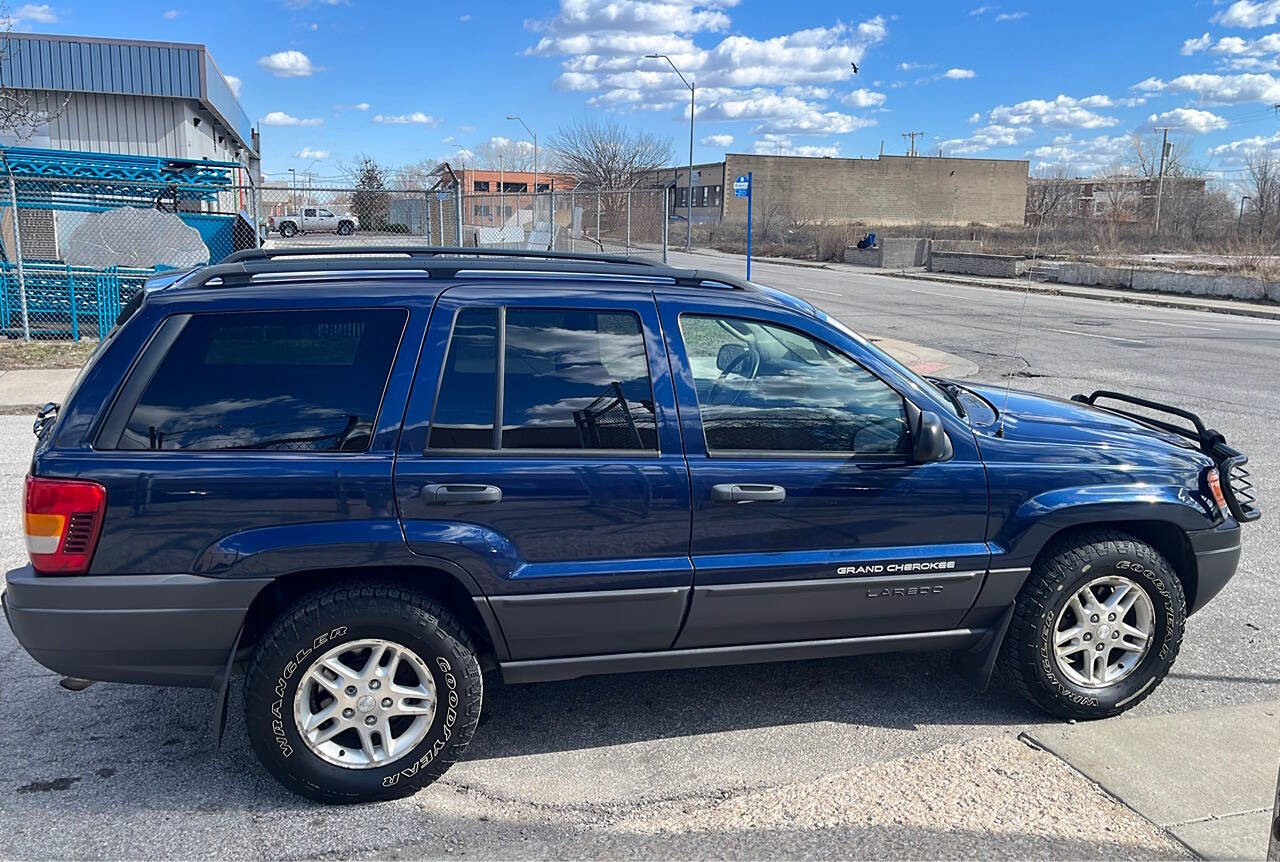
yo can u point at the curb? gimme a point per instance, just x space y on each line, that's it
1223 308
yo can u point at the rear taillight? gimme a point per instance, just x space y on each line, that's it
62 519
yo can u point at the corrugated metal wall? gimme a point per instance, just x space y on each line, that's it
131 125
101 67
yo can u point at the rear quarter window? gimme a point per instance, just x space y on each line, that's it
309 381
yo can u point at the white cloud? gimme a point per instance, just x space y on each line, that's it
1238 151
863 98
34 13
959 74
415 118
361 106
1011 16
913 67
1149 85
1061 111
718 140
280 118
1191 46
981 10
779 113
288 64
1087 156
1190 120
464 18
234 83
1245 13
975 118
309 153
986 138
1225 89
171 14
602 45
781 145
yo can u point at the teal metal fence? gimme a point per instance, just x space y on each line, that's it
64 302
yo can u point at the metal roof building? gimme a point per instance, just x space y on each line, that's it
128 97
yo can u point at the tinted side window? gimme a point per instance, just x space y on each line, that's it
766 388
570 380
463 417
576 380
275 380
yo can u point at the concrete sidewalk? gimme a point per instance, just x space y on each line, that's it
26 389
1207 777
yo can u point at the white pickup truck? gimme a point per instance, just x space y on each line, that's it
313 220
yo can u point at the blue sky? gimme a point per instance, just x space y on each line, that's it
1049 82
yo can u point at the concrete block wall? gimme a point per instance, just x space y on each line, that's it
986 265
862 256
969 245
903 252
1165 281
888 190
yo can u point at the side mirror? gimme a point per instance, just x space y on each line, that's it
931 440
728 354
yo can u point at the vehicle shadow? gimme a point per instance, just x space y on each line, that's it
897 691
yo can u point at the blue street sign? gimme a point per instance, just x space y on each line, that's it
742 186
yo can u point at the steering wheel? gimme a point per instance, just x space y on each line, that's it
746 364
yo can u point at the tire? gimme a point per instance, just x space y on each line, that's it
1044 614
288 229
345 623
345 228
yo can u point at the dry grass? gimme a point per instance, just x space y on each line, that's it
16 354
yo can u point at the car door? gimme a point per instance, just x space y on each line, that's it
542 454
811 519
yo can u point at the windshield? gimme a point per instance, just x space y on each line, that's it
933 388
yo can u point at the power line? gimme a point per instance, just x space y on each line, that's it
913 135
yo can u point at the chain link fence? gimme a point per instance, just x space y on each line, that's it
76 249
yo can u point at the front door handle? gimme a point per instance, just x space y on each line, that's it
456 493
748 493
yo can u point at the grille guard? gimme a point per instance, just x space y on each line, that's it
1232 464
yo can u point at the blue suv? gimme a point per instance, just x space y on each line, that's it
365 480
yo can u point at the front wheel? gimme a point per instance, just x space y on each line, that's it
362 693
1096 627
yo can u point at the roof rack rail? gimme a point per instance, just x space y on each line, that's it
429 252
247 270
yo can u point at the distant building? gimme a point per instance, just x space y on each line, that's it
483 201
1119 198
130 98
889 190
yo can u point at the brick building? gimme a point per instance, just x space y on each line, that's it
1118 198
886 190
484 191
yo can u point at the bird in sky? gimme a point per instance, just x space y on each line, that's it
855 68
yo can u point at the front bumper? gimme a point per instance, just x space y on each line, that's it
153 629
1217 554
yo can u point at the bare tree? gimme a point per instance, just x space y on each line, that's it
608 156
22 112
1051 193
370 201
1262 181
502 153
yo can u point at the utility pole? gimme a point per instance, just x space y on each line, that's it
911 151
1164 151
688 227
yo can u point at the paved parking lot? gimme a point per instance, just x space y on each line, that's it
869 756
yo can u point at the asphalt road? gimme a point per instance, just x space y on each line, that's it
128 771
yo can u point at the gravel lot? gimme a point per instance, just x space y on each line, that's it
877 756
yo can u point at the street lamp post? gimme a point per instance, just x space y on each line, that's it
534 135
688 228
293 189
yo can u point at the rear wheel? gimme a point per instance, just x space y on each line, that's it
345 228
1096 627
288 229
362 693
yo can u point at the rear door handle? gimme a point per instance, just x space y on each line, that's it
748 493
455 493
